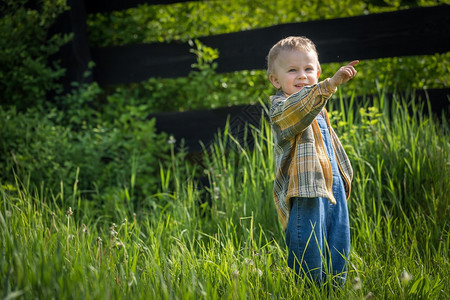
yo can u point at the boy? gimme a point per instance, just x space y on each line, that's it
313 172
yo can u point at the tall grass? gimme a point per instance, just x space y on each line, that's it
225 242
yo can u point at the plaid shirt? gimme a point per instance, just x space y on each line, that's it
302 166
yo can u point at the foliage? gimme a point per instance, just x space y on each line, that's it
227 243
87 158
75 140
185 21
27 73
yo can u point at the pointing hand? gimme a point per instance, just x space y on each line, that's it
344 74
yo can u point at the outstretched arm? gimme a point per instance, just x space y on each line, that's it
290 116
344 74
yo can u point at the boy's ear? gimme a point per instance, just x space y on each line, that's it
318 74
274 81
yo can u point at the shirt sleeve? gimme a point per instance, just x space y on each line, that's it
290 116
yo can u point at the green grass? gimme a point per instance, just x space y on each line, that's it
225 242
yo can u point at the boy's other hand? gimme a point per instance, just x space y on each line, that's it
344 74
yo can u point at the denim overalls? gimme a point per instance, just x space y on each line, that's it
318 232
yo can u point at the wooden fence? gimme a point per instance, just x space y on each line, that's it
418 31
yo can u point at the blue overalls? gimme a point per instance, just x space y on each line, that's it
318 232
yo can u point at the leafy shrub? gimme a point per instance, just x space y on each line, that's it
26 73
126 154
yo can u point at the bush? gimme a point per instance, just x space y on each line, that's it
26 71
87 161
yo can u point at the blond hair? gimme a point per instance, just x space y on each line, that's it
299 43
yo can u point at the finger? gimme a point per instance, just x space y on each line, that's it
353 63
351 69
351 72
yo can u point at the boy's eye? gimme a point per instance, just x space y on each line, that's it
292 70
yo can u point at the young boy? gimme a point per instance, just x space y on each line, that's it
313 172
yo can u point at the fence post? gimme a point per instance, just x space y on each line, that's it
76 55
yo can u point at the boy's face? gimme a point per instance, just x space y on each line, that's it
295 69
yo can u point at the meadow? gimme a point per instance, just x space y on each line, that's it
222 240
95 204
